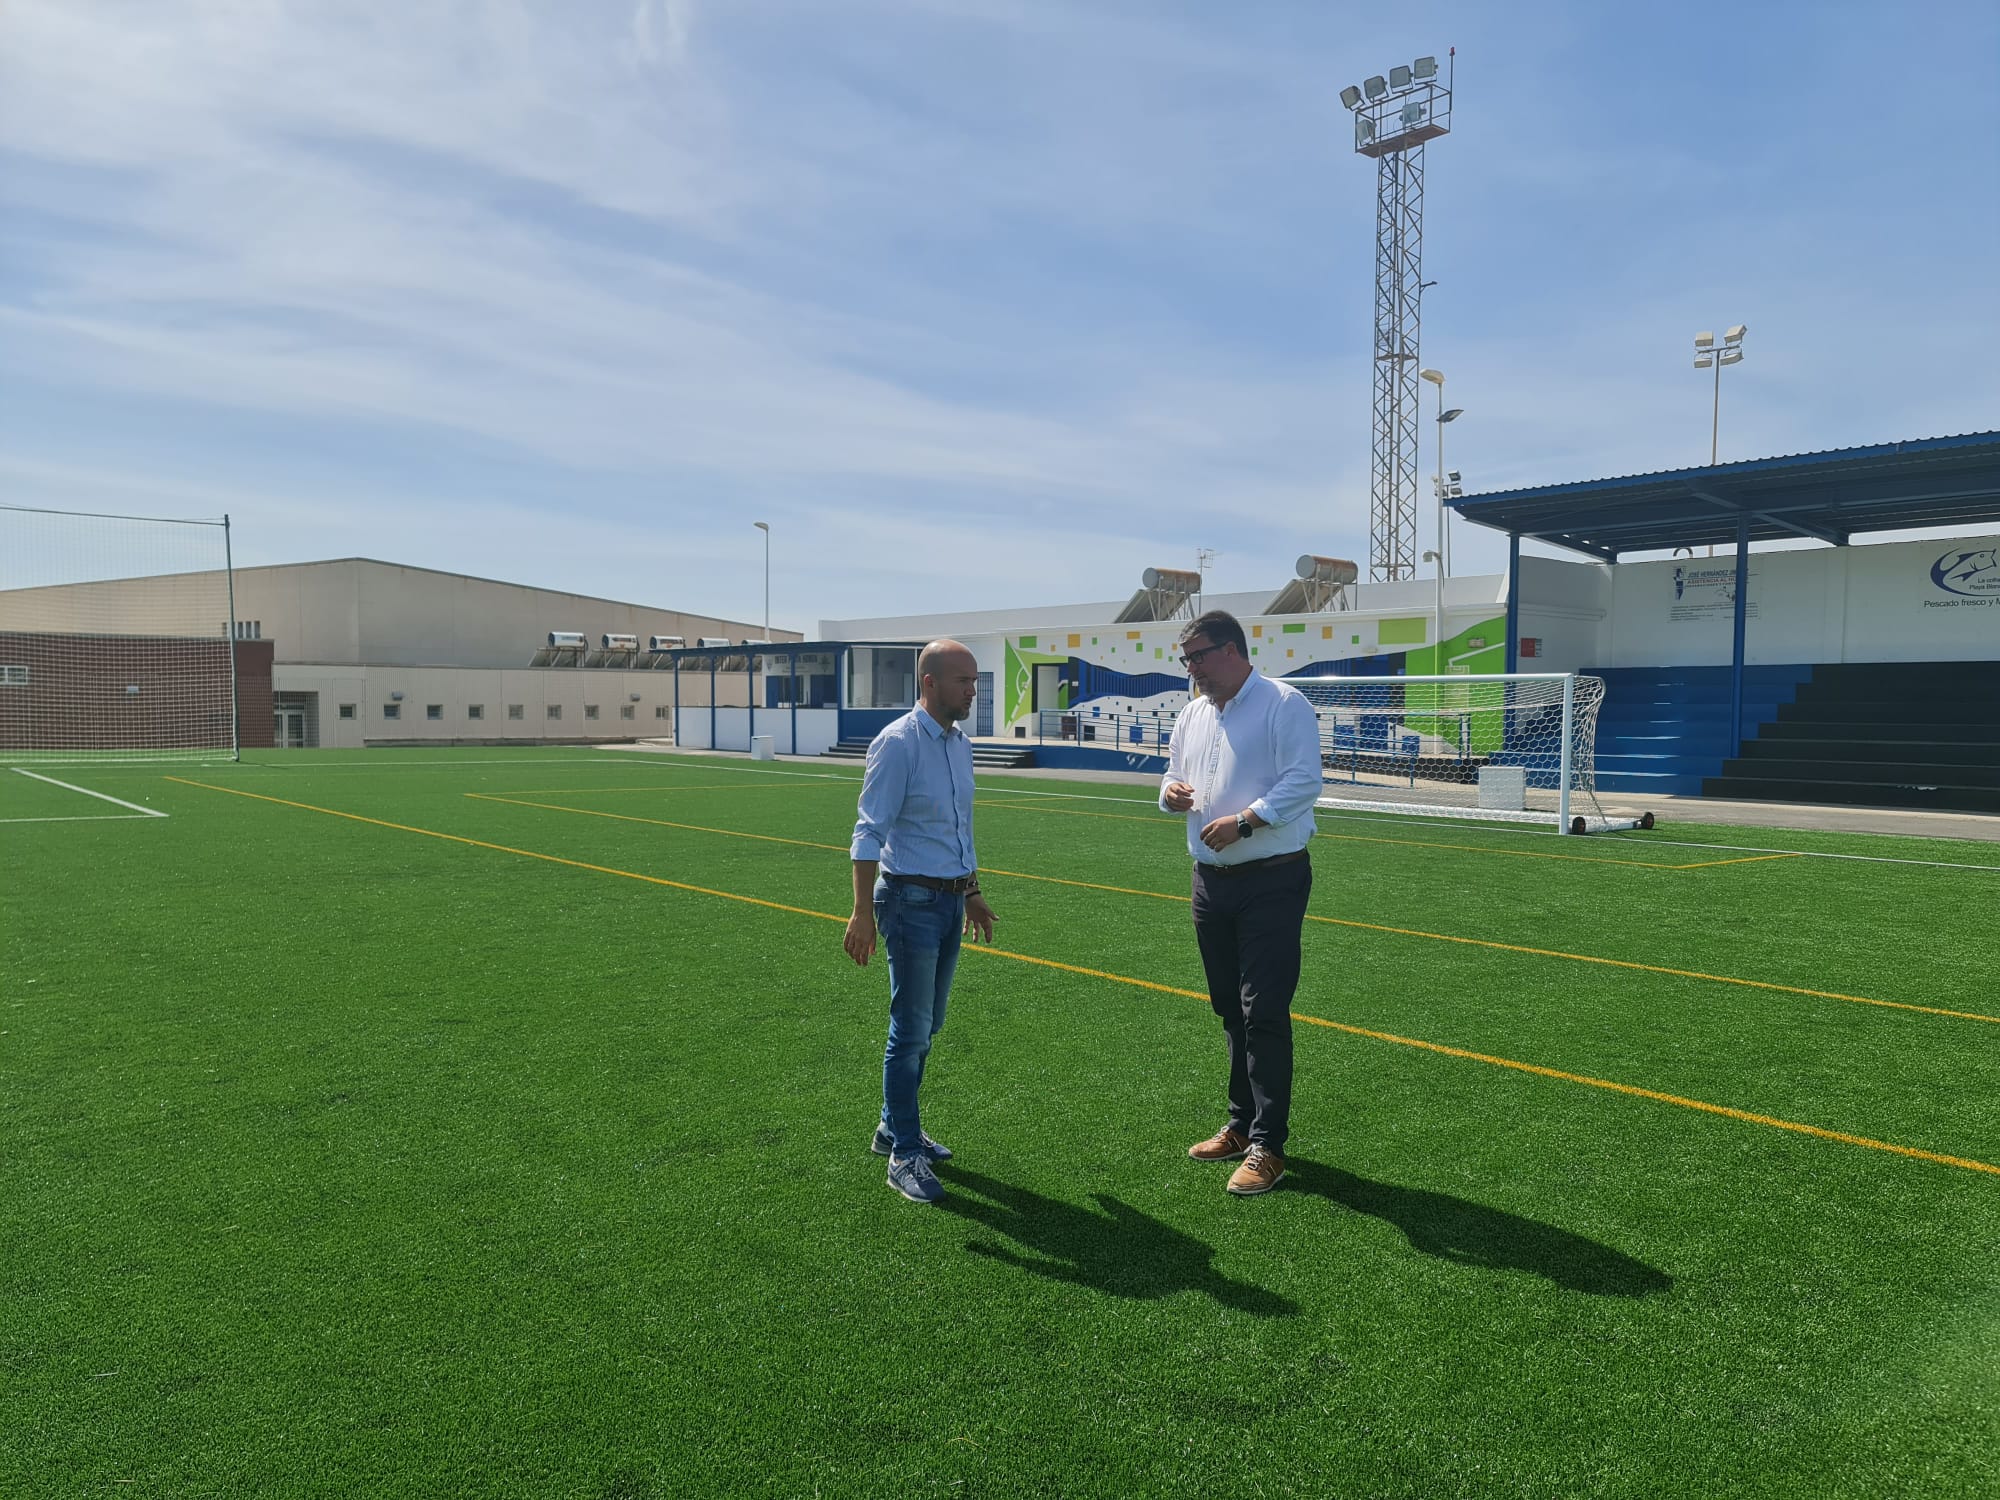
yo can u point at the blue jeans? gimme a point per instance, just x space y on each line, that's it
920 931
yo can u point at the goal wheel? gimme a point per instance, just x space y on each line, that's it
1577 825
1646 820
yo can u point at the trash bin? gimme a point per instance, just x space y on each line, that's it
763 747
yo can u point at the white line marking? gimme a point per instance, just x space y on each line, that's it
106 796
96 818
1651 840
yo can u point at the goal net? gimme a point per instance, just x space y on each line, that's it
1513 747
116 639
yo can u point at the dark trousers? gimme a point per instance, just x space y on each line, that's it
1248 924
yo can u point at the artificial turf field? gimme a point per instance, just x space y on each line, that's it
483 1122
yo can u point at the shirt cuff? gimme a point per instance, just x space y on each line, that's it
865 848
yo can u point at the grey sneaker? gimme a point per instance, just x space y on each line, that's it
913 1178
884 1144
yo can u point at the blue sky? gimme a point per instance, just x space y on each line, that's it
977 302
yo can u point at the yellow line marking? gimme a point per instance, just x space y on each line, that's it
1968 1163
1436 937
1866 1142
663 786
1358 838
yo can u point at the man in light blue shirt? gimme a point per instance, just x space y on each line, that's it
916 881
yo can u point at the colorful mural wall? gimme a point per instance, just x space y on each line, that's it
1116 669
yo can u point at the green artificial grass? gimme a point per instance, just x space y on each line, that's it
338 1158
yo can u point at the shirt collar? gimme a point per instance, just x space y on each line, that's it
937 731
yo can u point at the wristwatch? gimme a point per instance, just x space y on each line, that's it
1244 827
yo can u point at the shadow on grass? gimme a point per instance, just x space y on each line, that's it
1116 1249
1470 1234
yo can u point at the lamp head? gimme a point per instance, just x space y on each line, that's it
1435 377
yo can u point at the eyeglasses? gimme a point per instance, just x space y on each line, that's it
1193 658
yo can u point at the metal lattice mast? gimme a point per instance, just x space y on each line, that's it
1393 118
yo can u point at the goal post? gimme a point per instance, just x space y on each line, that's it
1517 747
117 638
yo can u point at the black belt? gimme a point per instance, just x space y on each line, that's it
958 885
1252 864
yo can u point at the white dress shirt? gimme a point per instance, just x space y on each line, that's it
1258 753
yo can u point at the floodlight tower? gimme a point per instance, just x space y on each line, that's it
1393 118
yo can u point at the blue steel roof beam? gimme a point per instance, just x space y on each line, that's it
1775 517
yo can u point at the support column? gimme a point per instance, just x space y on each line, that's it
1736 649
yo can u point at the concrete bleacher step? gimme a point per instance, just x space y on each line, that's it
984 757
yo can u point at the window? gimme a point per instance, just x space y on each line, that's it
628 710
516 711
347 710
662 712
13 676
434 711
247 630
555 710
475 710
590 710
882 677
392 710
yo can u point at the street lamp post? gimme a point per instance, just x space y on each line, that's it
765 527
1707 356
1436 378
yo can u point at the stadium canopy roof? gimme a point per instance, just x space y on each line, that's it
1830 497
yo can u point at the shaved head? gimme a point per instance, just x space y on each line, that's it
948 680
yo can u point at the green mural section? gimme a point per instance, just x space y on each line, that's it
1477 651
1021 660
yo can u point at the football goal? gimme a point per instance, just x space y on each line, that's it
117 639
1513 747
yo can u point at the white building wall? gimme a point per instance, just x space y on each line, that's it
456 690
1828 604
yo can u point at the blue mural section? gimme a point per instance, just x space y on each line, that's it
1088 681
1386 664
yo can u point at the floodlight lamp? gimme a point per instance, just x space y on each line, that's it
1730 357
1424 67
1375 87
1452 475
1735 335
1452 415
1399 77
1364 130
1704 340
1435 377
1430 556
1413 113
1703 361
1349 97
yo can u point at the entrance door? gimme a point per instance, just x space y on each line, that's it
982 713
288 727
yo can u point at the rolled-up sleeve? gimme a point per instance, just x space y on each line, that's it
883 786
1295 738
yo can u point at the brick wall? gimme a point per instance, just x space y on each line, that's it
79 692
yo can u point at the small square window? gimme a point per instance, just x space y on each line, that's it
516 711
660 712
475 710
590 710
434 711
392 710
555 710
628 710
347 710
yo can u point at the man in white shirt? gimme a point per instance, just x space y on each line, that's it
1245 769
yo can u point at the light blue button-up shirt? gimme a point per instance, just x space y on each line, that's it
916 800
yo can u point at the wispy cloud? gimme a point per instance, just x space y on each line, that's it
978 302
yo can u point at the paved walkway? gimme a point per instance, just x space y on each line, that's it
1903 822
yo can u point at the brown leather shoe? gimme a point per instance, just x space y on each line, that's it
1226 1144
1262 1170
